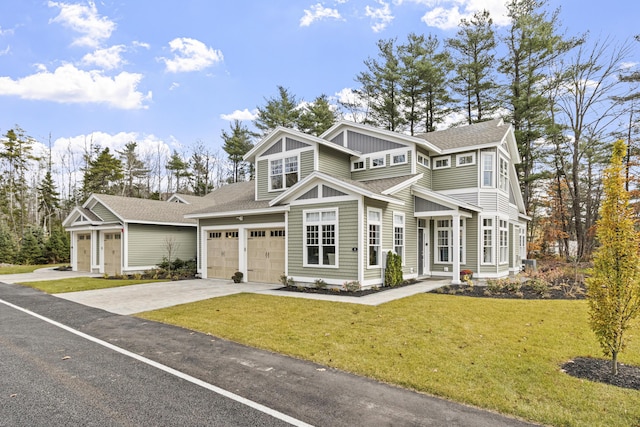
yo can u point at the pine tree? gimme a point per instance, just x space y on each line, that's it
133 170
236 144
282 111
614 286
103 173
32 247
475 66
317 117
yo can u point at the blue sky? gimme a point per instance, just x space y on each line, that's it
169 74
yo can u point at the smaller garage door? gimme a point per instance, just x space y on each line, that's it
265 255
83 252
112 254
222 254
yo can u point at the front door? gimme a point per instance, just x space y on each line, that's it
423 252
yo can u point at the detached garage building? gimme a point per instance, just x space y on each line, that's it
122 235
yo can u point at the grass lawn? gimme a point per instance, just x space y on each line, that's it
502 355
18 269
83 284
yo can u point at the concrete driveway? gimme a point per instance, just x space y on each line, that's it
152 296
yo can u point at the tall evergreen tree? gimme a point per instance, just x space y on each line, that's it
317 116
48 200
103 173
278 111
179 169
134 170
614 285
380 86
475 66
533 43
236 144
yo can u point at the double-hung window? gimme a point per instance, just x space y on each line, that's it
444 241
321 229
374 221
504 241
504 174
283 173
488 169
398 234
487 241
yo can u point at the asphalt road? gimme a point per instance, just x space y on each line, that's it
100 368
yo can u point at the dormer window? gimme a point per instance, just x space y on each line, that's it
378 162
442 162
398 158
357 165
283 173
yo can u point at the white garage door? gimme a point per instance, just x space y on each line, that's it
83 251
265 255
222 254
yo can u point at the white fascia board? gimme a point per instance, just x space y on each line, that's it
403 185
443 199
244 212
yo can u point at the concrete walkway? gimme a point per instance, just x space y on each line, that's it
132 299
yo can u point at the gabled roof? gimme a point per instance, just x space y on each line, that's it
232 199
478 135
77 212
443 199
143 211
394 136
280 131
374 189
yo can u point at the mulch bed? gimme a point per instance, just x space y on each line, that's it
342 292
525 292
599 370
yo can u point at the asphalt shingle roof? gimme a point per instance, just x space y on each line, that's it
482 133
232 197
132 209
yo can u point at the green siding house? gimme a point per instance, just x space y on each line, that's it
121 235
331 207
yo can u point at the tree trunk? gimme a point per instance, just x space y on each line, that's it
614 363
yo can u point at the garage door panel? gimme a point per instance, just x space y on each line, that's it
83 252
265 255
112 254
222 254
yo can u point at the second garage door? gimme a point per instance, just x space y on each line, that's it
222 254
265 255
112 254
83 252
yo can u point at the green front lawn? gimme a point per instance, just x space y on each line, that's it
83 284
503 355
19 269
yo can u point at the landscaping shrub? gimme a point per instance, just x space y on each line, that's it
393 271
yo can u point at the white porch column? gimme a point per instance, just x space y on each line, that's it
455 257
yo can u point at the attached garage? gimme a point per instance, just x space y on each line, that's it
265 255
222 254
113 253
83 251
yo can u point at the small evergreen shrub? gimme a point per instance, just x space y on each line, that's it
393 271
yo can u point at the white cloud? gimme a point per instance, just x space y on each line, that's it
446 14
107 59
381 16
174 85
67 84
85 20
141 44
318 12
6 32
240 115
5 51
190 55
628 65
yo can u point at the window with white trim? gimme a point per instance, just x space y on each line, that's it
442 162
321 228
378 162
357 165
504 241
466 159
283 173
398 234
523 243
398 158
487 241
444 241
504 174
423 160
374 221
488 168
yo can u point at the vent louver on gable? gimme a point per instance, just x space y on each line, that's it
292 144
331 192
311 194
275 148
